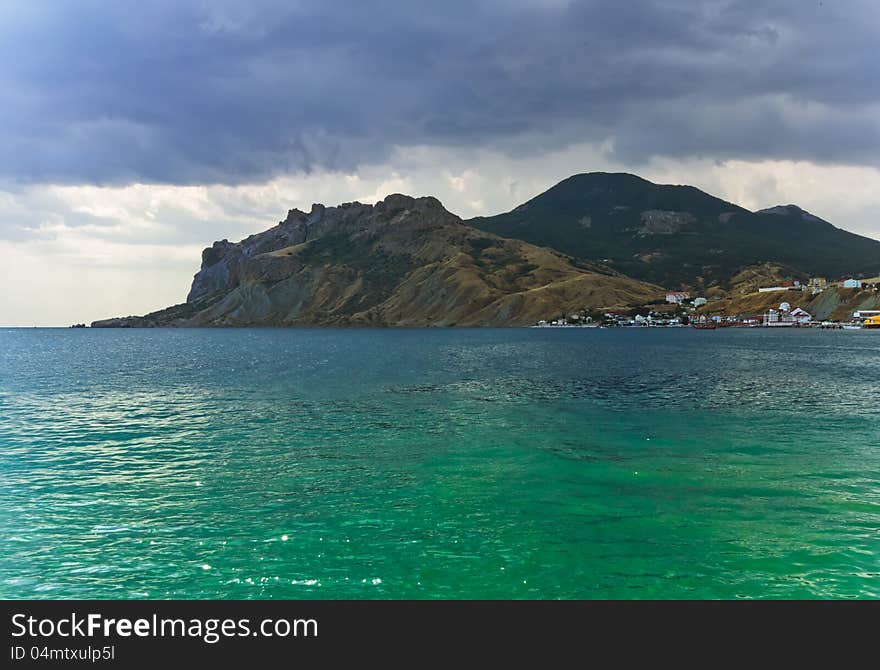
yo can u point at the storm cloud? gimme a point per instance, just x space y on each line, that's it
197 92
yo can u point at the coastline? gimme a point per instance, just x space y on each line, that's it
379 327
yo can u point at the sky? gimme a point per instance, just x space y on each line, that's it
134 134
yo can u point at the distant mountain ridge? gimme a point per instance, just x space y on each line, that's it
678 236
403 261
594 241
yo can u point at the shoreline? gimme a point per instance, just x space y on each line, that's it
835 327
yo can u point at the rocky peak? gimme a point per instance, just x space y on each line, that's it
222 261
397 201
294 216
790 210
394 203
216 252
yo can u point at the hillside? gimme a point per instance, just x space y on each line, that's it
835 303
679 236
401 262
753 277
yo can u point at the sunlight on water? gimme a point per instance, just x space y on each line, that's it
263 463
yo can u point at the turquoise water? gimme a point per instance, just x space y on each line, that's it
440 463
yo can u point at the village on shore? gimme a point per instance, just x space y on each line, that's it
680 310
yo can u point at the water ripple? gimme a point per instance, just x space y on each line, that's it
429 463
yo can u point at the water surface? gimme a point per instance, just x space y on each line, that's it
439 463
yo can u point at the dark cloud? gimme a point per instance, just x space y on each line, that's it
197 91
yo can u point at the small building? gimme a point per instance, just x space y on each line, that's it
786 316
778 318
787 285
852 283
699 302
817 284
801 315
677 297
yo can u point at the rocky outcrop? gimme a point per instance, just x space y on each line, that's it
660 222
222 261
403 261
176 315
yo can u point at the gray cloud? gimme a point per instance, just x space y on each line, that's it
200 92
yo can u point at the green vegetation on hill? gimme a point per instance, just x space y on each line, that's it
678 235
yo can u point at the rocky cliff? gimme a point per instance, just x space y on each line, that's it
401 262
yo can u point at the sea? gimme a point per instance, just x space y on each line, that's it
568 463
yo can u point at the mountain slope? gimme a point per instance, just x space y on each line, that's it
678 235
403 261
835 303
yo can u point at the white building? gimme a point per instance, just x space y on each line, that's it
801 315
677 297
852 283
699 302
786 316
817 285
778 318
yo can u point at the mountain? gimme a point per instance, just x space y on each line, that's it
403 261
679 236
